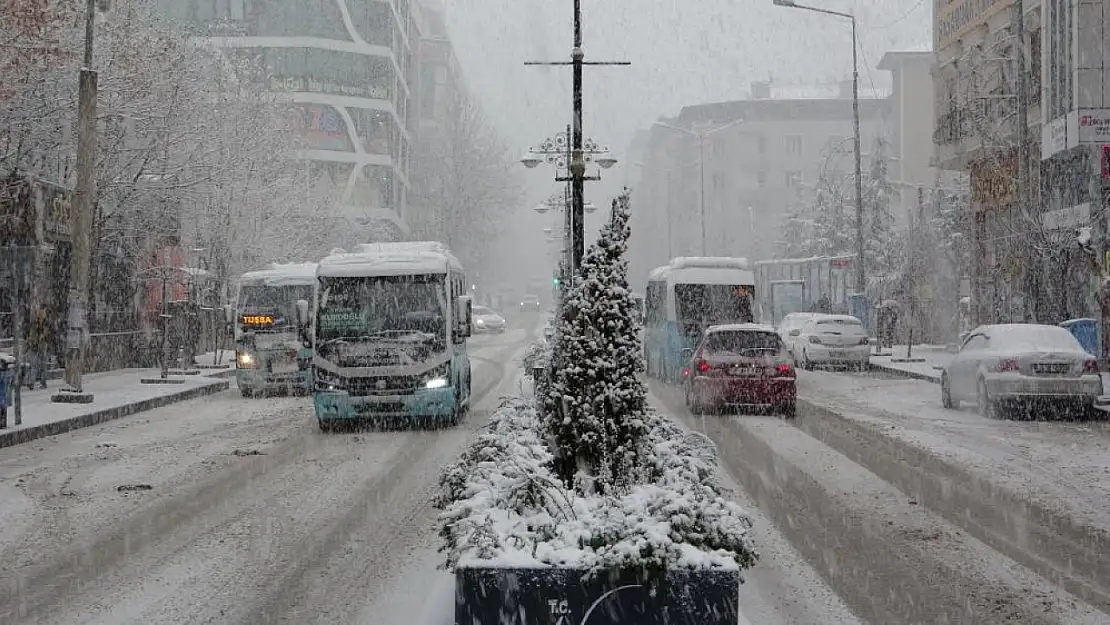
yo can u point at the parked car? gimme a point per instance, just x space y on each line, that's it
486 320
792 321
530 302
999 366
831 340
744 365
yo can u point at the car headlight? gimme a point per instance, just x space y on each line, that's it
479 322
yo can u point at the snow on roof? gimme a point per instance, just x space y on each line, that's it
740 327
282 274
391 259
705 270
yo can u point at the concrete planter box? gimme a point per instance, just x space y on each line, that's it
560 596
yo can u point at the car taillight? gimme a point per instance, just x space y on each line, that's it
784 370
815 340
702 366
1090 366
686 372
1008 365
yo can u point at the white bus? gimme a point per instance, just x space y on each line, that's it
685 297
269 353
389 335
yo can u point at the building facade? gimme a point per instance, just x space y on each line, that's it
348 69
754 158
1026 265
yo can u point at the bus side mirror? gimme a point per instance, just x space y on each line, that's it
463 315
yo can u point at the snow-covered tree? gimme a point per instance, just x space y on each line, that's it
882 252
595 401
796 232
463 182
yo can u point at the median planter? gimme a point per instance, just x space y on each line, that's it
562 596
527 549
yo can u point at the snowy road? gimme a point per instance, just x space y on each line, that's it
888 558
224 510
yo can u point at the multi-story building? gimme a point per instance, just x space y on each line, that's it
759 155
348 67
1024 267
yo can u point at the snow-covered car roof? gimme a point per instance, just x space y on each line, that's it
820 317
484 311
391 259
279 274
1029 335
740 327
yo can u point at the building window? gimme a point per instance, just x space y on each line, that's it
793 179
761 179
761 144
794 145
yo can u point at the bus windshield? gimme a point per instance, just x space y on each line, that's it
383 307
698 306
280 301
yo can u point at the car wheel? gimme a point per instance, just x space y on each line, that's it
946 398
987 408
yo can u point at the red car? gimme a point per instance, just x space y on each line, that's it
743 365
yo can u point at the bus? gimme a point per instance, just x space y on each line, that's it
389 335
789 285
269 352
685 297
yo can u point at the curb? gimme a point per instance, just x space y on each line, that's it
902 373
108 414
1050 543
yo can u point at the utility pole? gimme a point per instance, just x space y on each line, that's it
1023 152
577 166
860 270
701 173
81 223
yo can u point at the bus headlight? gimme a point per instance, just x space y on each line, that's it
245 360
439 377
440 382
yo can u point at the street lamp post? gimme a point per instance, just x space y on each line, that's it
577 165
556 150
700 135
855 118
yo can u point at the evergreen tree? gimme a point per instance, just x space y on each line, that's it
883 254
595 401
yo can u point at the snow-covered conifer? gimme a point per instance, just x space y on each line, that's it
596 399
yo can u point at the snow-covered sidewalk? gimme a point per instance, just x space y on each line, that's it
932 358
115 394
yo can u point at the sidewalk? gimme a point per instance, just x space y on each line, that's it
935 356
116 394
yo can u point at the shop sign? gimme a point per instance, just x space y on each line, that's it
993 184
1068 218
290 84
1094 125
954 18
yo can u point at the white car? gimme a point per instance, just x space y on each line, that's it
792 321
831 340
1001 365
486 320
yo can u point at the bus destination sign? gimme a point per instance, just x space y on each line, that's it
258 320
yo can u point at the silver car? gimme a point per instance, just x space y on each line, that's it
1002 365
486 320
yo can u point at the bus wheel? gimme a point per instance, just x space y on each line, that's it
326 426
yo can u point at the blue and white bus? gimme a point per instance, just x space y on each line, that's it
685 297
389 335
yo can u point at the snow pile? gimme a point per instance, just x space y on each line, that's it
503 505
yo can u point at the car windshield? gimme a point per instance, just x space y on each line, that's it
482 310
382 306
741 342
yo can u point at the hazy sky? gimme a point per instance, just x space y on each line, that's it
682 52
